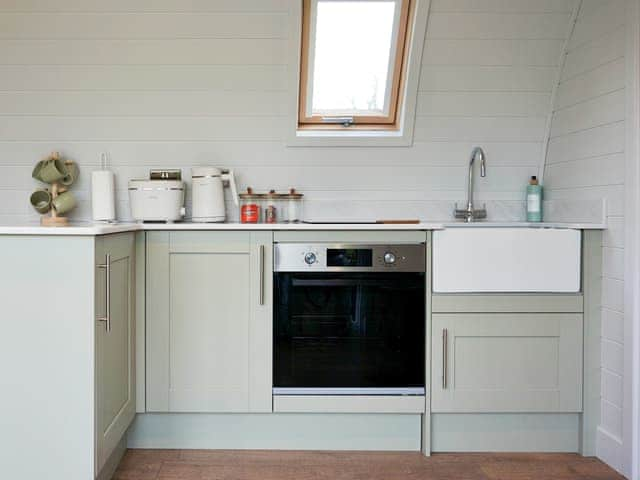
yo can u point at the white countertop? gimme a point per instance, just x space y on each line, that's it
565 225
91 229
74 228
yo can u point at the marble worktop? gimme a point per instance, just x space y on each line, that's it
92 229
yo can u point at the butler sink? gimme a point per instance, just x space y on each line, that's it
469 260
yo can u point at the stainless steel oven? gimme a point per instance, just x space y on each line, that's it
349 319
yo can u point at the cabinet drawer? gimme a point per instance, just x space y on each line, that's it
507 363
507 303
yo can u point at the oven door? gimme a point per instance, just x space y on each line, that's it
349 333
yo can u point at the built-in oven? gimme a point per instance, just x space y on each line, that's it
349 319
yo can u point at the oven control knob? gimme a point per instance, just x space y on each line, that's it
389 258
310 258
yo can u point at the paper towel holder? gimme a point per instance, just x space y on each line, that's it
103 192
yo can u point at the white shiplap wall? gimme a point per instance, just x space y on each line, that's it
178 83
586 161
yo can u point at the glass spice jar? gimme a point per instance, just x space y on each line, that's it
291 211
272 207
250 206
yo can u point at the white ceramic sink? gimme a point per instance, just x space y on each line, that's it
467 260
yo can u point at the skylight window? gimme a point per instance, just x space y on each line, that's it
353 55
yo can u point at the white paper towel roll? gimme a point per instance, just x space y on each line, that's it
103 198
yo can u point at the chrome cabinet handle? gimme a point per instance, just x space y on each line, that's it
261 260
445 355
106 266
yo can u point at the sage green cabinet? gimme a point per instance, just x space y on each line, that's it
114 341
506 362
209 320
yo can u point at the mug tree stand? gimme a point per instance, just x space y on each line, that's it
54 220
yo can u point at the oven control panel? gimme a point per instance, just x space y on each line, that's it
299 257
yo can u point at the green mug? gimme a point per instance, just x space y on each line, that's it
72 173
63 203
52 171
36 170
41 201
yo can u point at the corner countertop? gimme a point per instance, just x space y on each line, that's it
93 229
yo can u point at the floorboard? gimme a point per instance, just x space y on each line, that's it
304 465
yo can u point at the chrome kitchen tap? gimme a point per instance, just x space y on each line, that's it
470 214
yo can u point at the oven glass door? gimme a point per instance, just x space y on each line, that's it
349 331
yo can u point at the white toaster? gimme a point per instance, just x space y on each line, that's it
157 200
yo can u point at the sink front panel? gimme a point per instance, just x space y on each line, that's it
496 260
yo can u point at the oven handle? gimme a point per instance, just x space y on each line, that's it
348 391
339 282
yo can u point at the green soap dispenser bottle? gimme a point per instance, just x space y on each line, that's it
534 201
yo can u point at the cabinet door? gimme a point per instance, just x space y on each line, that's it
507 363
115 337
209 322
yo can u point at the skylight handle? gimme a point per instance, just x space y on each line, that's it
344 121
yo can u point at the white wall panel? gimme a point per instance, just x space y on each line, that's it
174 83
587 172
597 19
438 51
143 52
594 53
611 418
105 128
149 103
595 142
147 6
586 160
483 104
142 26
480 129
602 110
498 25
613 326
614 235
599 81
613 266
52 79
612 355
612 387
515 79
503 6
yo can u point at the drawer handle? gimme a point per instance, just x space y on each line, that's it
106 266
445 355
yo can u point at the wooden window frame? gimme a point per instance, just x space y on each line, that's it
360 122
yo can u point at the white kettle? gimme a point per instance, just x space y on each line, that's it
207 191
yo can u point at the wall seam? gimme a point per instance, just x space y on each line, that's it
554 92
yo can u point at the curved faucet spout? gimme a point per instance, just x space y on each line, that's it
470 214
478 152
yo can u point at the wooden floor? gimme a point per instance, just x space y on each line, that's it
280 465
